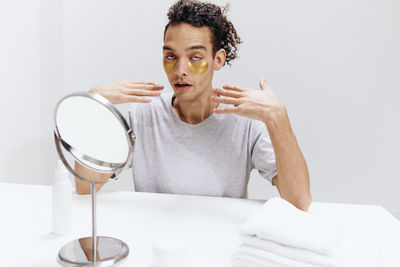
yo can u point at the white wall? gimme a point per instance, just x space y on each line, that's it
333 63
30 59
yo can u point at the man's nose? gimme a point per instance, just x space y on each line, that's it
181 68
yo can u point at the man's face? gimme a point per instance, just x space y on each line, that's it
188 61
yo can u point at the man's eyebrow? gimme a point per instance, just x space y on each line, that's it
167 48
195 47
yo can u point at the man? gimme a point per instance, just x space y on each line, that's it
204 140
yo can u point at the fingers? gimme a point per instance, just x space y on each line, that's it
137 82
226 100
138 95
235 88
140 92
142 86
137 91
226 110
229 93
263 84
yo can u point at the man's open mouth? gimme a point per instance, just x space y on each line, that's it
182 85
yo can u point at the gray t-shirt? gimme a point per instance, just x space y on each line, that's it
211 158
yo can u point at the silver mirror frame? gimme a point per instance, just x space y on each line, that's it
115 168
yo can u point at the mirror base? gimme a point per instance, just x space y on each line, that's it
110 251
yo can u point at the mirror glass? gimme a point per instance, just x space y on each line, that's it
93 131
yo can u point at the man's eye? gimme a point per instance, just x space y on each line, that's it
169 57
196 58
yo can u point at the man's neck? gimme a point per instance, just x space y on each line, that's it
195 111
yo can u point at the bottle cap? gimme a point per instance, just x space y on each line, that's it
61 171
169 252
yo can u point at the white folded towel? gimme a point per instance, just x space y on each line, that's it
246 255
279 234
282 252
281 222
244 260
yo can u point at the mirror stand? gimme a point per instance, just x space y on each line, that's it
94 250
94 220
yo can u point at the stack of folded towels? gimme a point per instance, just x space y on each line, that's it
282 235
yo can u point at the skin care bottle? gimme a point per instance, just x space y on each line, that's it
61 201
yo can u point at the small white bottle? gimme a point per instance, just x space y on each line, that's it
62 201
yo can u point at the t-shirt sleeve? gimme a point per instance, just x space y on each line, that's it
263 155
130 117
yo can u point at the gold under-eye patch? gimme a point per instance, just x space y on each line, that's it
169 66
198 68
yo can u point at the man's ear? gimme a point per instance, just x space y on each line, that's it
219 59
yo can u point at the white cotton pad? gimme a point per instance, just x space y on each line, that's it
170 252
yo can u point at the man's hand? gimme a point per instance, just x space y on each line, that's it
128 91
261 104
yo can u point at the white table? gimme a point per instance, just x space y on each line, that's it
209 224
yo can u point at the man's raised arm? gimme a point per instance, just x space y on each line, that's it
293 180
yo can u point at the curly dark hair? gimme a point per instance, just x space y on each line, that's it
200 14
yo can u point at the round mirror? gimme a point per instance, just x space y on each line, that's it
93 132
